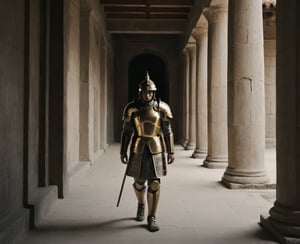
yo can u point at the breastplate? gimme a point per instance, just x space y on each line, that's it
147 122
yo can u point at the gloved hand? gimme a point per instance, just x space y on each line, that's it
124 158
171 158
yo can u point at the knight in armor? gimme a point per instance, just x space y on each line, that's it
147 128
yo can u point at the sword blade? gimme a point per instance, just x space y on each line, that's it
121 190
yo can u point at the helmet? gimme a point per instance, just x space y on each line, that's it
147 85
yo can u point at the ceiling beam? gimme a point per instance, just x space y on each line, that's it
112 9
194 17
125 16
146 27
148 2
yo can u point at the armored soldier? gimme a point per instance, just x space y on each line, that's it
147 128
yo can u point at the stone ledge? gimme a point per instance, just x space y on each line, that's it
43 201
15 227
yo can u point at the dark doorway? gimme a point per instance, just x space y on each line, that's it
157 71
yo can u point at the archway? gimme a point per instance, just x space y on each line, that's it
157 71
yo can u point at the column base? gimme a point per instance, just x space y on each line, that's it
233 186
235 179
184 143
190 146
278 229
215 162
199 154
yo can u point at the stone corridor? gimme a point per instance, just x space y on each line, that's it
194 207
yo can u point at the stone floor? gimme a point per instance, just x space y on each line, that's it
194 207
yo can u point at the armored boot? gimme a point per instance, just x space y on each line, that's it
139 190
153 198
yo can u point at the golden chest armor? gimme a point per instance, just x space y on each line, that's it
147 123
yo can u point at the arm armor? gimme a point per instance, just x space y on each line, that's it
169 141
128 129
166 126
125 139
126 136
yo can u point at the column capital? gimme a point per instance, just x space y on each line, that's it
213 12
200 29
191 43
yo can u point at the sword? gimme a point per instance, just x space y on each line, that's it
122 186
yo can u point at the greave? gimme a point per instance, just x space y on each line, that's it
139 190
153 197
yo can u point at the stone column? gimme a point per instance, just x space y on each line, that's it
284 220
191 48
216 16
246 104
200 34
185 99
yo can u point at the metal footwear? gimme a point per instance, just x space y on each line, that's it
140 215
152 225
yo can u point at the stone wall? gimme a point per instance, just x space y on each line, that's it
13 217
85 85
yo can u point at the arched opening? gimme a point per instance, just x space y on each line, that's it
157 71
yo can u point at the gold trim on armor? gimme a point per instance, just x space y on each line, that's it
128 113
154 144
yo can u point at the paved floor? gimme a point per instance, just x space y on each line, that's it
194 207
